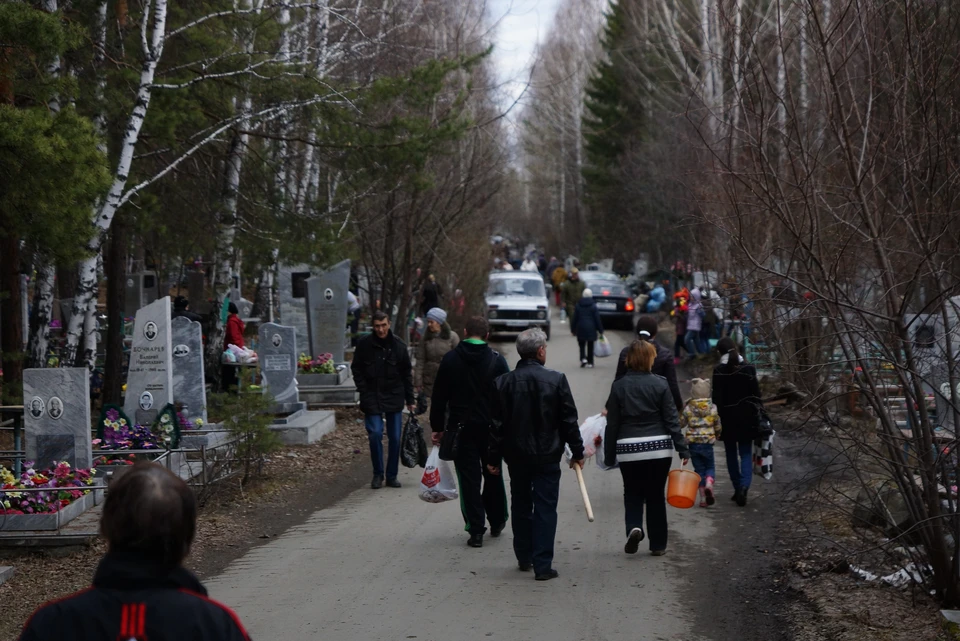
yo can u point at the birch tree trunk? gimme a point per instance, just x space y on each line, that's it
86 295
46 273
42 313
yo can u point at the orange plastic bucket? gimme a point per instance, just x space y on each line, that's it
682 486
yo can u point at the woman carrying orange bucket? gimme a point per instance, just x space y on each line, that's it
642 433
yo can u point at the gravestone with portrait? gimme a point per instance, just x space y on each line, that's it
56 413
189 390
327 311
150 376
278 364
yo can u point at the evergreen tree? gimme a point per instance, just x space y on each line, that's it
613 120
51 171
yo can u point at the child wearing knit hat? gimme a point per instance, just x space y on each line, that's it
701 424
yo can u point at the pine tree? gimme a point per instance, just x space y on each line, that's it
613 120
50 169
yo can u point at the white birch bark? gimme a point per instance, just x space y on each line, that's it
40 338
152 41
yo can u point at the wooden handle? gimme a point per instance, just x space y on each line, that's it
583 493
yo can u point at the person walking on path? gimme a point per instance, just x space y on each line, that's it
462 398
701 425
642 433
141 589
680 318
572 292
559 277
530 264
695 313
430 297
384 377
534 417
663 365
438 340
736 393
587 326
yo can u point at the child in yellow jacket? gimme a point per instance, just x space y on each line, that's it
701 424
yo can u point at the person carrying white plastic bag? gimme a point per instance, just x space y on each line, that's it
437 483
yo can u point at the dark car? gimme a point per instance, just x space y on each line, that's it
614 299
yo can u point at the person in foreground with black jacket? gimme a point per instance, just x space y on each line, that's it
463 390
642 432
141 590
534 417
662 366
384 377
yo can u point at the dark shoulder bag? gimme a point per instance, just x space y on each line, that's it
450 441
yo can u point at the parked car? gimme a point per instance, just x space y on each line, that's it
614 299
517 301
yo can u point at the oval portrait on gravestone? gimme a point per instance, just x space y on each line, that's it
181 350
55 408
328 293
37 407
150 330
146 401
276 340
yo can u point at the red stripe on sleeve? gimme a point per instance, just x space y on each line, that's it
125 620
142 621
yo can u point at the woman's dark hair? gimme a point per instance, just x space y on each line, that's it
232 308
726 345
151 512
647 324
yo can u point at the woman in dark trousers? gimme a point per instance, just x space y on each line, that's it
643 430
586 326
736 393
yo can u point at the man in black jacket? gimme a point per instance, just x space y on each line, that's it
384 377
140 590
534 418
463 390
662 366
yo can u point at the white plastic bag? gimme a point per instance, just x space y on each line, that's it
589 431
602 348
437 484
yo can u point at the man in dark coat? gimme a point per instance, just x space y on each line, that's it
431 295
587 326
662 366
534 417
384 377
462 395
141 590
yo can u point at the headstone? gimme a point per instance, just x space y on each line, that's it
327 311
56 416
189 390
278 362
150 377
292 299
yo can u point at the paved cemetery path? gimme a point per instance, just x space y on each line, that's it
384 565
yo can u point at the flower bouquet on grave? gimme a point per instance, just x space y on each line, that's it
186 424
167 427
65 485
322 364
